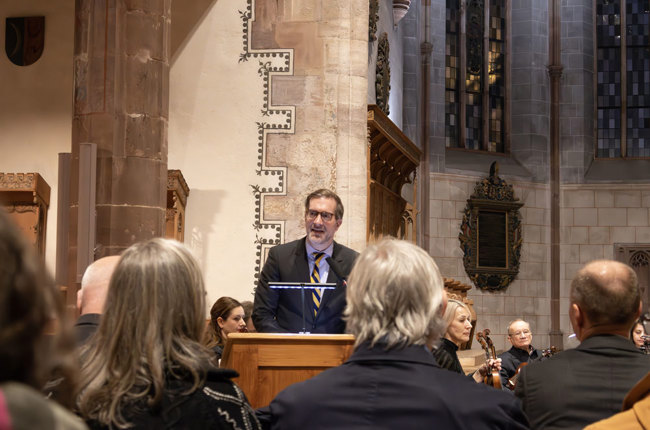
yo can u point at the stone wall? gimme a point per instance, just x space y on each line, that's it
528 296
593 219
577 95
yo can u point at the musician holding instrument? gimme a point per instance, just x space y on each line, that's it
459 327
520 337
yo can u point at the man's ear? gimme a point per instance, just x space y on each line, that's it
79 293
577 319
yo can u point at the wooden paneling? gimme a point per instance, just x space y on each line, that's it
26 196
268 363
392 163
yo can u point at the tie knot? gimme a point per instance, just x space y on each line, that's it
318 256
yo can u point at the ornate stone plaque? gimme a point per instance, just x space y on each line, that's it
490 234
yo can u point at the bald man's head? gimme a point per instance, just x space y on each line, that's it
607 292
94 285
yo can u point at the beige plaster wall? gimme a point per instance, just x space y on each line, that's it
36 112
220 123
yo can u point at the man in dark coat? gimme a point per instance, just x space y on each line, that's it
580 386
395 299
92 295
316 257
522 351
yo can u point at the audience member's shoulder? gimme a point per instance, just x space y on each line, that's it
29 409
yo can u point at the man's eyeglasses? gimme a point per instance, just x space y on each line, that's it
519 333
325 216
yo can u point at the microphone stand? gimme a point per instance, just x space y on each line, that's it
302 286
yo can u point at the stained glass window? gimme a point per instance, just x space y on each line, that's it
452 63
623 78
482 90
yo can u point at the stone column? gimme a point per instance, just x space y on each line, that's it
121 103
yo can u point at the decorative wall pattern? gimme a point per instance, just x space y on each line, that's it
277 119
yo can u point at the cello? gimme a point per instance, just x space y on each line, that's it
492 378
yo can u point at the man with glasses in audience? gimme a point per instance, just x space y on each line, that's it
307 260
522 351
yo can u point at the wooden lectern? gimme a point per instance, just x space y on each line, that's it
268 362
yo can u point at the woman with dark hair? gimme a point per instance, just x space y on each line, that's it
30 304
226 316
637 334
146 367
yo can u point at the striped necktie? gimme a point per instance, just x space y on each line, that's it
315 279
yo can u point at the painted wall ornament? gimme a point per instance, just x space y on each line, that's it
491 234
24 39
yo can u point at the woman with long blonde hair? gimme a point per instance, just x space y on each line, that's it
146 366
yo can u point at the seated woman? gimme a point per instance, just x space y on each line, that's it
248 312
226 316
637 335
459 326
29 304
146 367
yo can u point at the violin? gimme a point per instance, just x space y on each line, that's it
512 382
492 378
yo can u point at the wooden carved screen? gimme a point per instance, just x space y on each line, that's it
392 163
26 196
177 192
638 257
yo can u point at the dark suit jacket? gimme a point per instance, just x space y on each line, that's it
396 389
86 326
580 386
280 311
512 359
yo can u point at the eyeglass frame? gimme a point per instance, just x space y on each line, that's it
324 215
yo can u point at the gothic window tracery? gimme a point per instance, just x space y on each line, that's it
475 74
622 84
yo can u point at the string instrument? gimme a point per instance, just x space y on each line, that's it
492 378
512 382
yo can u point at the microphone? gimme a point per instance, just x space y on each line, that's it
337 270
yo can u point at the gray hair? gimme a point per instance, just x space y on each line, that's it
394 296
607 292
517 320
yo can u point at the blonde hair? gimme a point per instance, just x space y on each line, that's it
394 295
450 312
151 330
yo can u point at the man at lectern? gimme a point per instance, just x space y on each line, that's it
395 301
316 258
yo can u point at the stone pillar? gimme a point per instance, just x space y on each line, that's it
121 103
